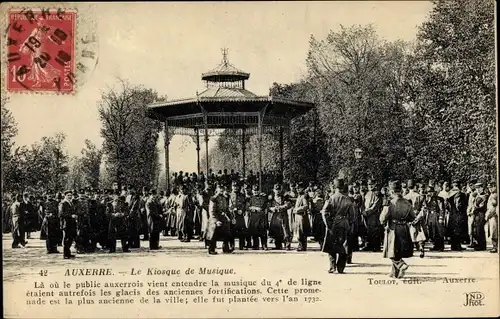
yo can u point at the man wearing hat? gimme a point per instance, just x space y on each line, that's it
397 241
434 207
218 227
302 226
84 231
184 212
457 207
257 216
472 193
52 225
492 216
134 219
373 206
318 227
117 212
171 217
68 219
417 228
279 227
237 209
479 212
144 218
336 214
17 215
291 196
153 213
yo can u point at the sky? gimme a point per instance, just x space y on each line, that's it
166 46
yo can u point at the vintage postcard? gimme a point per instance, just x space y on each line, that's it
249 159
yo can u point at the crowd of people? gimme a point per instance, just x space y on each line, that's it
224 207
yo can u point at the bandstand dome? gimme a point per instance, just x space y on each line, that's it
226 104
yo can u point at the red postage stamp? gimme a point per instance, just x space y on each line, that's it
41 50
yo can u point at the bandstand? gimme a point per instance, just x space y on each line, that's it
226 105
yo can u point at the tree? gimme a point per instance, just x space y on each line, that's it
129 135
8 133
454 91
90 164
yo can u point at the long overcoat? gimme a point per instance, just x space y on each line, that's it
396 218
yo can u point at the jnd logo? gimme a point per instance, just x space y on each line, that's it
473 299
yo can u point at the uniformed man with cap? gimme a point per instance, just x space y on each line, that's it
336 214
302 226
237 209
279 226
218 228
396 217
479 212
417 232
68 223
257 216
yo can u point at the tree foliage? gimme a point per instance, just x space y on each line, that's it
129 135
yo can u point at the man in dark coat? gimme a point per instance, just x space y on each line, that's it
257 217
144 217
68 223
117 212
279 226
134 219
479 213
237 208
153 211
51 224
184 214
337 213
84 231
17 213
372 208
457 203
218 221
434 207
396 217
302 226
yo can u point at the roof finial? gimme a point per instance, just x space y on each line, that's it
224 56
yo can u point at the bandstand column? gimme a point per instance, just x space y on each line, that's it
243 148
167 159
282 164
198 149
205 119
259 137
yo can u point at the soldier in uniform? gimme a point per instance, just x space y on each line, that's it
418 225
237 209
434 209
397 241
479 212
117 212
279 227
84 231
492 216
17 213
68 223
302 226
52 225
257 216
336 214
153 211
457 204
134 219
218 222
371 213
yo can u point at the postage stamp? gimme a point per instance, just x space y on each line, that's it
41 50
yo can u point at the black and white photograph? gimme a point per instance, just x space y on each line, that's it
249 159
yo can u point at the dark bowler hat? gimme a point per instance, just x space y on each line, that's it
152 191
395 186
455 181
68 192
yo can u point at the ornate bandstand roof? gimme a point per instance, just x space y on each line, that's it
225 103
